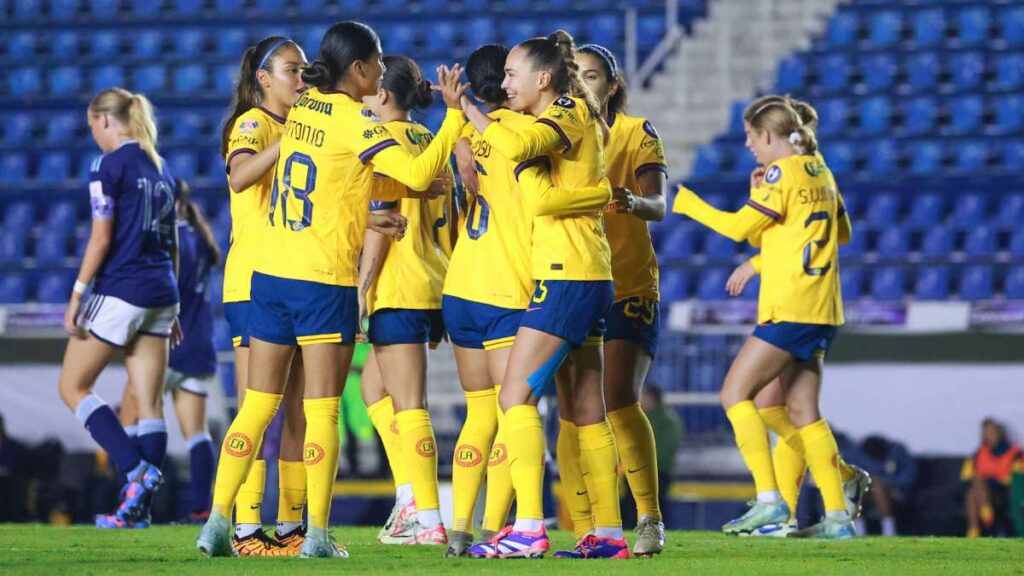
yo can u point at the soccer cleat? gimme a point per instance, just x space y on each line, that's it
403 530
113 522
760 514
593 547
855 489
458 544
650 537
292 539
319 544
259 544
215 537
829 529
511 543
195 518
436 536
774 530
390 524
137 494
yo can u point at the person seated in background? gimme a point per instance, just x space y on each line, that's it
893 472
668 432
987 475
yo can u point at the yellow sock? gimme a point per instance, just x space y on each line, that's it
823 459
250 495
419 452
570 475
752 440
787 456
846 472
470 464
291 480
499 494
635 440
526 460
600 461
973 532
987 515
321 457
382 414
241 446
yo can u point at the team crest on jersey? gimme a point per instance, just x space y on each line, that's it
313 453
773 175
565 102
649 129
814 169
468 456
248 126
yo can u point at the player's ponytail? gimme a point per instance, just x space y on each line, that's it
808 115
195 217
341 46
135 113
248 92
612 74
774 114
404 80
485 69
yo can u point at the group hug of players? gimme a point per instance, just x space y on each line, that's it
345 226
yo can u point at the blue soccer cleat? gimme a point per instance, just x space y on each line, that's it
511 543
594 547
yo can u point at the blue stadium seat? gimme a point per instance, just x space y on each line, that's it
977 283
879 71
1009 114
188 7
189 78
887 283
842 29
64 10
973 25
14 288
150 78
925 209
923 71
736 118
893 244
51 249
54 167
965 114
972 156
20 217
440 41
1009 70
270 6
884 157
65 80
649 29
926 157
18 127
743 161
932 283
752 290
63 43
224 77
833 116
875 113
680 242
1012 156
189 42
188 126
841 157
884 209
22 46
148 44
12 246
606 30
145 10
834 73
1010 211
851 279
479 31
1012 20
1017 243
920 115
25 10
1015 283
61 218
792 74
937 243
13 168
675 285
929 27
231 42
514 31
885 28
855 248
401 37
106 77
101 9
969 210
25 81
183 164
105 44
710 158
718 248
711 285
54 287
980 241
966 70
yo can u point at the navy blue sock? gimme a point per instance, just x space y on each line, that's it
106 430
153 440
200 450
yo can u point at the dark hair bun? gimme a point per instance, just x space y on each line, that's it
485 69
317 74
424 95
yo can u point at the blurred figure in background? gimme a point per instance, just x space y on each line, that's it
987 475
668 429
893 472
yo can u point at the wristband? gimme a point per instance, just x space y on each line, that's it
80 287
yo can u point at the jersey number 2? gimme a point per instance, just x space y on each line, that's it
819 243
301 192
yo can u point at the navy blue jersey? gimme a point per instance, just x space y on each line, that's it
125 185
196 354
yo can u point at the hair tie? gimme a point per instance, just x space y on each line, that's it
270 52
795 137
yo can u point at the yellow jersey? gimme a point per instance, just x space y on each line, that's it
322 188
799 252
413 272
252 132
568 244
491 263
633 148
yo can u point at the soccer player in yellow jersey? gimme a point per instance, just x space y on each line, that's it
572 267
635 161
787 454
304 285
793 213
269 83
400 284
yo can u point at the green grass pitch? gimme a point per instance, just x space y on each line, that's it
37 549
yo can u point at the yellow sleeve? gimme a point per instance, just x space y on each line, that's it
417 172
845 231
468 131
543 198
249 135
560 125
650 153
755 261
384 192
738 226
967 471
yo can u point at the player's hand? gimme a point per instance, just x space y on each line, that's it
388 224
623 201
364 319
757 177
448 84
738 279
71 316
467 167
440 187
176 334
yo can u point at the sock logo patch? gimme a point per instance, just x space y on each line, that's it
394 427
238 445
498 455
425 447
314 453
468 456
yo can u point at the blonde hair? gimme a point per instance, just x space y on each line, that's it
133 111
778 115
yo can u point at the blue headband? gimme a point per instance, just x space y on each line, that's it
271 51
604 54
